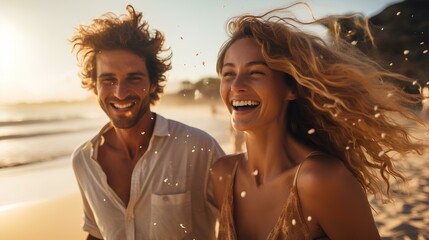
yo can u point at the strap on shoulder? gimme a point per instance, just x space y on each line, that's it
300 164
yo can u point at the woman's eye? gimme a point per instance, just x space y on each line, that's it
227 74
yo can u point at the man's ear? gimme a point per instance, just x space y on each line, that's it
152 88
94 87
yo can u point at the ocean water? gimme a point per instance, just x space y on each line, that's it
39 132
33 133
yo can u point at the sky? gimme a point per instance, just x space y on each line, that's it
36 62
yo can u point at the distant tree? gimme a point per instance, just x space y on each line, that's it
187 89
208 87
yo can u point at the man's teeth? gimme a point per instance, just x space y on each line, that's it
122 106
236 103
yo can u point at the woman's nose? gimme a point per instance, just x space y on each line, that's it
239 83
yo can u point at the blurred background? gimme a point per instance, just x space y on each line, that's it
45 114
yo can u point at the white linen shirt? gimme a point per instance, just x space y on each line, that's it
171 196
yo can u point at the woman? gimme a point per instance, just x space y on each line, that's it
320 133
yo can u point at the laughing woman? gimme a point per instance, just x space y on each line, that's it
320 133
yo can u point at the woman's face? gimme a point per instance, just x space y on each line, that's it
255 95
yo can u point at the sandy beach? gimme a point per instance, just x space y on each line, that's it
41 200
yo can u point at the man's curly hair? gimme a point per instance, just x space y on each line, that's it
127 32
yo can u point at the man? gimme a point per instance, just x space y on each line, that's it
142 176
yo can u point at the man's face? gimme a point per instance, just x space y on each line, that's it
123 86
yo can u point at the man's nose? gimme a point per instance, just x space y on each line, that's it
121 91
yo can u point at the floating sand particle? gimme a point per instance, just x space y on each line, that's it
243 194
309 218
311 131
383 135
406 52
293 222
375 107
377 115
255 173
102 141
143 133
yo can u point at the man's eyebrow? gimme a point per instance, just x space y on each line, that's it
105 75
131 74
138 73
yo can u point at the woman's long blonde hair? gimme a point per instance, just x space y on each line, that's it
346 100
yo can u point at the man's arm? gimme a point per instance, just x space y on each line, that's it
90 237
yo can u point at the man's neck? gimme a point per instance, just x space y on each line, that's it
135 140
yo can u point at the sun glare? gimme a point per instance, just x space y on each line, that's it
8 40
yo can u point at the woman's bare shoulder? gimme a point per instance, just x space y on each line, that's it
221 173
323 169
332 195
225 165
325 176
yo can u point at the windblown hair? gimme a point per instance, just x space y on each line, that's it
111 32
344 97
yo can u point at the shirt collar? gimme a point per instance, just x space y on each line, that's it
161 126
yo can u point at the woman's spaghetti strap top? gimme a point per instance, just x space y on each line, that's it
226 220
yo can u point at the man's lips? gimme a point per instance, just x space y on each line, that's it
123 106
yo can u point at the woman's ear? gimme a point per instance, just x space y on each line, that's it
291 92
290 95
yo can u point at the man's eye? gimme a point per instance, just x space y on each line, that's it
136 79
108 81
256 73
